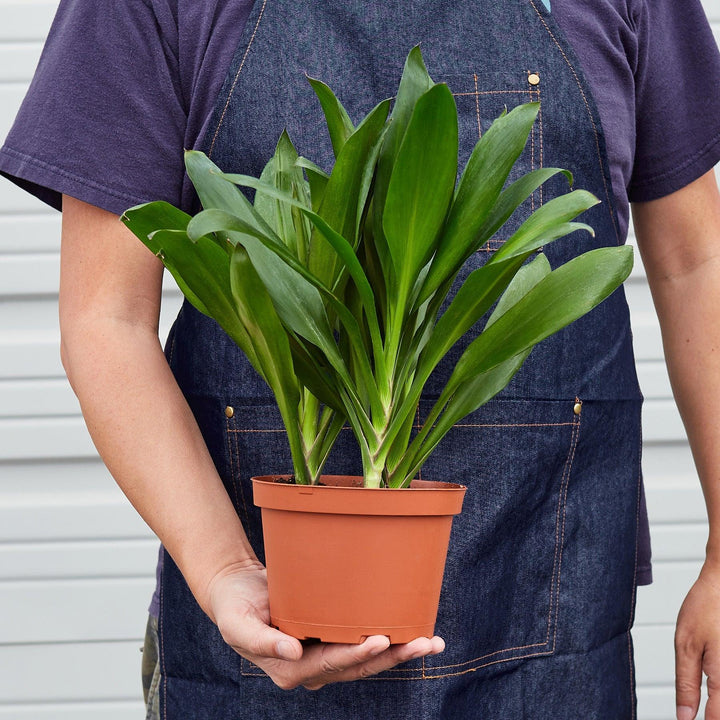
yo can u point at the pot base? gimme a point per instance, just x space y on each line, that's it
351 635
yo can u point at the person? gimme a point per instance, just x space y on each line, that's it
541 578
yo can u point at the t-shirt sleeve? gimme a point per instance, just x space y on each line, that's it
104 118
677 98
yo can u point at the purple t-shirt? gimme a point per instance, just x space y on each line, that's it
123 87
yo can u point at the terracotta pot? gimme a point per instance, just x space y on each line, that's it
345 562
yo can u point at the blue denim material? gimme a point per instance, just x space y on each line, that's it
539 588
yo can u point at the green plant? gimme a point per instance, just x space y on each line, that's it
334 285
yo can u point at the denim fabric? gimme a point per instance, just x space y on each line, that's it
539 589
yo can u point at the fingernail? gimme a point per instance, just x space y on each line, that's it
285 650
685 713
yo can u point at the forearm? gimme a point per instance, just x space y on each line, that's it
148 438
679 237
688 306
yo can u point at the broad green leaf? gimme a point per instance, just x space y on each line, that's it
414 83
144 220
421 185
547 224
346 190
477 294
202 271
566 294
271 346
338 122
526 278
214 220
214 192
487 170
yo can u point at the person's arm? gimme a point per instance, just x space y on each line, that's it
110 287
679 239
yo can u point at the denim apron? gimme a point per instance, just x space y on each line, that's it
538 595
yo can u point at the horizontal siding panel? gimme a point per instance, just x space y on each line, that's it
63 517
18 59
45 438
647 340
26 19
30 274
61 611
117 710
30 354
78 560
71 672
25 482
675 542
654 653
659 603
669 464
654 381
34 233
661 422
37 397
675 504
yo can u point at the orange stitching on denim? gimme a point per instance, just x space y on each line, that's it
477 105
235 471
235 81
573 444
634 591
268 430
161 628
589 112
491 92
511 425
540 131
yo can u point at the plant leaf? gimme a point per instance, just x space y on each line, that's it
421 185
202 271
487 170
566 294
547 223
146 219
338 122
272 348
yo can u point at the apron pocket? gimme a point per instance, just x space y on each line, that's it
501 587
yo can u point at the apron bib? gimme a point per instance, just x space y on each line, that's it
539 588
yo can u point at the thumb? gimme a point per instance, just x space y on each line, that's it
251 636
688 677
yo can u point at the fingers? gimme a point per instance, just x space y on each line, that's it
325 663
688 673
367 659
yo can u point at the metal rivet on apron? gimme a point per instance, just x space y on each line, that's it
534 79
577 409
229 411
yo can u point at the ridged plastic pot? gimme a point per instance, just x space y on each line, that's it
345 562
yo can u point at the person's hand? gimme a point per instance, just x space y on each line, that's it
697 646
239 606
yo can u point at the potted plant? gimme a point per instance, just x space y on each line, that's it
341 288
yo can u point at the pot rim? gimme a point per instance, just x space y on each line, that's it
426 497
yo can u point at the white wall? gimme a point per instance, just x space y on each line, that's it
76 563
